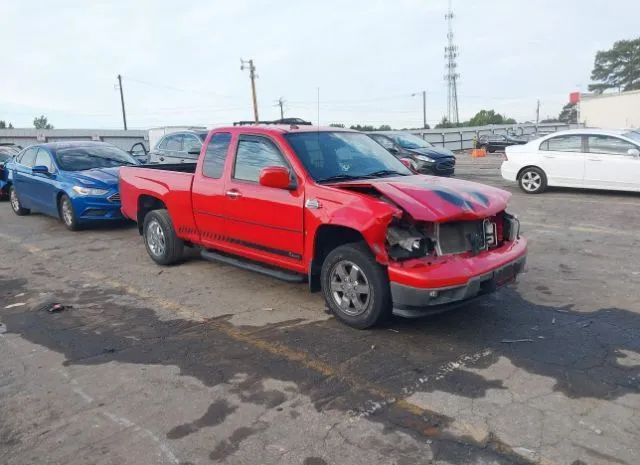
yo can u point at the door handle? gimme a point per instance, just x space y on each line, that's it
232 193
161 158
549 156
594 159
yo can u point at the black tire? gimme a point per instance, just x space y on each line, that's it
67 213
490 149
16 206
527 180
377 305
165 248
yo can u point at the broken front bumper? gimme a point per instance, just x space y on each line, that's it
421 289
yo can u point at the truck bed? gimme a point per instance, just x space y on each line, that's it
179 167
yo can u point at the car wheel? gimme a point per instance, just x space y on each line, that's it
160 239
355 286
16 206
533 180
67 213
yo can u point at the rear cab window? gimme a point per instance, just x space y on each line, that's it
216 155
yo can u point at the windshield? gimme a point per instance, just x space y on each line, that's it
633 135
409 141
90 157
343 155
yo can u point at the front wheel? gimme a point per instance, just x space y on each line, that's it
533 180
160 239
16 206
68 214
355 286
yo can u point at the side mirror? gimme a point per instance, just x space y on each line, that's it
633 152
40 169
194 151
275 176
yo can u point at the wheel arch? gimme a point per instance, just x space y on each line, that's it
521 170
147 203
327 238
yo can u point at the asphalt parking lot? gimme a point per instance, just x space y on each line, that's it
204 363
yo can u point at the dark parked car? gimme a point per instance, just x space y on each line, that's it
425 158
5 156
497 142
178 147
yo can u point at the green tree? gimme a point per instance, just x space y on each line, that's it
4 125
485 117
617 68
41 123
365 127
569 113
384 127
336 125
445 123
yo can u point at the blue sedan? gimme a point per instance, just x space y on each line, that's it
74 181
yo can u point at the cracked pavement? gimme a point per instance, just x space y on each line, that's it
204 363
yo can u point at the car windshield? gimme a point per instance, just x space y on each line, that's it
409 141
330 156
90 157
634 135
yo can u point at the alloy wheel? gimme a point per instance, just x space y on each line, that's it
531 181
350 288
156 239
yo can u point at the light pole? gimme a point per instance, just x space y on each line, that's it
424 107
252 74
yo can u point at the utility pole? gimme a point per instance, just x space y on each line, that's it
124 115
252 74
424 108
538 112
280 103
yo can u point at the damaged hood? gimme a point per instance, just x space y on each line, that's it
436 199
97 176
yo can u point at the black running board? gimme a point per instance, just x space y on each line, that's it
278 273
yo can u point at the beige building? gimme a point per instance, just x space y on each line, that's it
611 111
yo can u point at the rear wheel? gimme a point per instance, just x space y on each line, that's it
160 239
68 214
533 180
355 286
16 206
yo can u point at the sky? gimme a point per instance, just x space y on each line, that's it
180 61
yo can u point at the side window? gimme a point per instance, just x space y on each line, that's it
216 155
253 154
565 144
174 142
43 159
544 145
609 145
162 145
191 142
386 143
28 157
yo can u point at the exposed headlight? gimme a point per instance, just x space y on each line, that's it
425 158
89 191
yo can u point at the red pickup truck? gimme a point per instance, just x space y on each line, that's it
331 207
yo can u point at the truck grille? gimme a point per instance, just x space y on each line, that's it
115 198
460 236
446 165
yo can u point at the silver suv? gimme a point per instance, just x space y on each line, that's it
178 147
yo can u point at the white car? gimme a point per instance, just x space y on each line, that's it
587 158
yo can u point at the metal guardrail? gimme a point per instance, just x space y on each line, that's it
463 138
120 138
